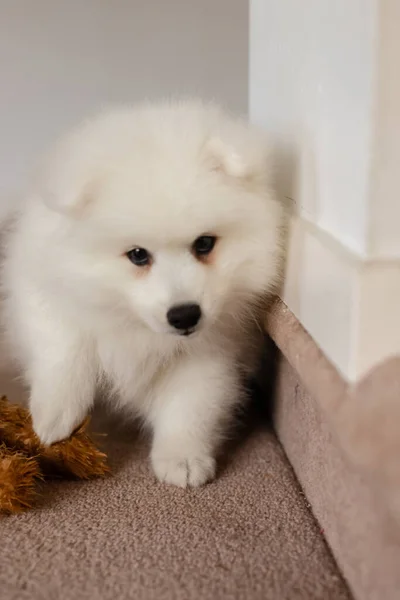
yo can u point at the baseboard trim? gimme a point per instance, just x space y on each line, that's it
338 296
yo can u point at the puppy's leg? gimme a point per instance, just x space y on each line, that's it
62 387
189 417
60 370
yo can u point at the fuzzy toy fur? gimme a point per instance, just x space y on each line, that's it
171 339
24 461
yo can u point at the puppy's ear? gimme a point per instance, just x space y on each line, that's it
66 182
222 157
68 200
245 159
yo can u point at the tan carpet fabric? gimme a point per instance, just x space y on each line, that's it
249 535
364 417
344 444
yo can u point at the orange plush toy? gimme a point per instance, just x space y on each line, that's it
25 462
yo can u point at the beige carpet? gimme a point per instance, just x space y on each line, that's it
249 535
343 442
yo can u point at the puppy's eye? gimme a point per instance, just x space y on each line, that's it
204 245
139 257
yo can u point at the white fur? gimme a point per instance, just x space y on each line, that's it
80 315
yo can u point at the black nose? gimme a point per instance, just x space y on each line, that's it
184 316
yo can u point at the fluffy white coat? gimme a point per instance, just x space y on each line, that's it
81 316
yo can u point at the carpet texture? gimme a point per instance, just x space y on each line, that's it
343 443
250 534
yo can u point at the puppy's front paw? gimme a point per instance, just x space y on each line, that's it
51 428
184 471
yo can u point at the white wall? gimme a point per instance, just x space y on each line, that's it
384 235
311 82
324 82
62 59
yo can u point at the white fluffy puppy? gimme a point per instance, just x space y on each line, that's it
139 262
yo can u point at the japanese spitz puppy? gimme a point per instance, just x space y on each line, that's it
139 263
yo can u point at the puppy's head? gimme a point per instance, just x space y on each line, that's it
167 216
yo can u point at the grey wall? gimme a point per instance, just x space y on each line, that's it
62 59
